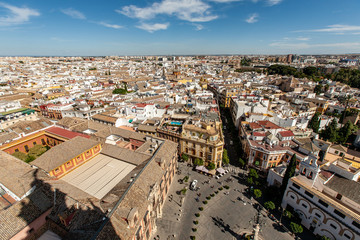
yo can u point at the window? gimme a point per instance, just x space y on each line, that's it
296 186
317 215
43 142
57 170
292 197
26 148
333 226
356 224
16 150
34 143
305 206
347 236
323 203
68 164
338 196
146 218
138 234
340 214
309 194
336 152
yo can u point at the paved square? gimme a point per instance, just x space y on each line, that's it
223 217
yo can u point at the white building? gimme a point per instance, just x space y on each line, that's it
327 200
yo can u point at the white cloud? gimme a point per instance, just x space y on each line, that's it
303 39
226 1
336 28
115 26
188 10
198 27
253 18
348 45
17 15
273 2
73 13
153 27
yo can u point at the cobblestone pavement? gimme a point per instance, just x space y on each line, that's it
225 216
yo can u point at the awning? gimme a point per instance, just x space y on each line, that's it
202 168
212 172
220 170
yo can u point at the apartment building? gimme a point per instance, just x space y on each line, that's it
203 140
267 145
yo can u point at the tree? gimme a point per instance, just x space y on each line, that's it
245 62
326 87
119 91
269 205
345 131
318 89
289 173
20 155
29 158
241 162
185 157
225 158
330 132
253 173
296 228
198 162
250 181
257 193
314 123
311 71
211 166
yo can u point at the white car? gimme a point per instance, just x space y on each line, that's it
193 184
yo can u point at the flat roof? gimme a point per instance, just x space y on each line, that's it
99 175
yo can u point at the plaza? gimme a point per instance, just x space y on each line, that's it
227 215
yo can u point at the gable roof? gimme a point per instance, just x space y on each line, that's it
124 154
15 174
63 152
345 187
286 133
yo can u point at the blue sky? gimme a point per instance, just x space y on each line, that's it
165 27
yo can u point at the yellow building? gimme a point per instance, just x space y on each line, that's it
203 140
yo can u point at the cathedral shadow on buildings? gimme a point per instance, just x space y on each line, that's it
49 210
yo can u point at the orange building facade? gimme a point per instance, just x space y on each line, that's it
40 138
70 165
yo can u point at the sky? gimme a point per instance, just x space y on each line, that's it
178 27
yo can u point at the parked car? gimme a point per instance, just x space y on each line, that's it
193 184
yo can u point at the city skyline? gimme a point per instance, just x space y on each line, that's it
184 27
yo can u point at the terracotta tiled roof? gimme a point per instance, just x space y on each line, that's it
286 133
63 152
65 133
